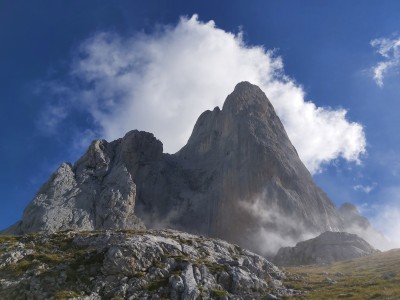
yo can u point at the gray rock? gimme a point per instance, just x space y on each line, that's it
238 162
96 193
191 292
324 249
9 257
330 280
237 178
135 265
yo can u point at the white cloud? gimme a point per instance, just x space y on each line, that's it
51 117
162 82
389 49
54 114
275 229
82 140
364 188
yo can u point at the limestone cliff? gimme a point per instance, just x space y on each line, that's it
238 178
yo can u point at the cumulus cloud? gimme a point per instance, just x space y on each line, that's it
389 49
162 82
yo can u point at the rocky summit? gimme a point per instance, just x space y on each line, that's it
238 178
326 248
130 264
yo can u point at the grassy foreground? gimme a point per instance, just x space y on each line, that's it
374 277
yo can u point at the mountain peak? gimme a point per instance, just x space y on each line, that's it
237 178
248 98
245 85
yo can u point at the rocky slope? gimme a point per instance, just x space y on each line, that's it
238 178
326 248
133 265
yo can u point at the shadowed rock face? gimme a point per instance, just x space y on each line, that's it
324 249
352 217
238 173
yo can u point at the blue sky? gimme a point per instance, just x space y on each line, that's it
56 96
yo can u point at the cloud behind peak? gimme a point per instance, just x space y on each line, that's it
162 82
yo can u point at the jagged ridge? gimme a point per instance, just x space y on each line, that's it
237 178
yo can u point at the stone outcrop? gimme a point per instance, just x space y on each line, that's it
326 248
96 193
237 178
133 265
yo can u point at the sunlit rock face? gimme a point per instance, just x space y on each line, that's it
238 178
251 173
97 193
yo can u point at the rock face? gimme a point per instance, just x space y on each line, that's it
238 178
133 265
252 175
96 193
352 217
324 249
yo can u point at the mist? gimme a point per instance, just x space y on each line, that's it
276 229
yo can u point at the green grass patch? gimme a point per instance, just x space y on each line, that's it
218 293
179 257
9 238
156 284
19 267
61 295
362 278
216 267
57 254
